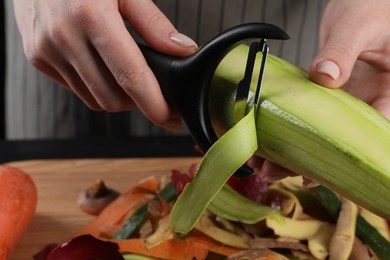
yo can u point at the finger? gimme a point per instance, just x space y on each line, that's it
126 63
155 28
99 80
333 65
67 77
51 61
76 84
78 87
52 73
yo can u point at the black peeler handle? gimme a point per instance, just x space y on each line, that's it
185 81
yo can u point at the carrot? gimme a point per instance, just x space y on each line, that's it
109 221
194 246
18 201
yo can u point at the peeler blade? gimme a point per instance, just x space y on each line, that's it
245 99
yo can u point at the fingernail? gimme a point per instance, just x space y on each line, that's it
173 125
329 68
182 40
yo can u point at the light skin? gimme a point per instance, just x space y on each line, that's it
94 56
355 37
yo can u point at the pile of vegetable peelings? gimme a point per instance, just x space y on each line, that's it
248 219
206 213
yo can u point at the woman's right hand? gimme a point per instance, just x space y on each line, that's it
85 47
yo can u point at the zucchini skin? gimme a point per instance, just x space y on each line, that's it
231 205
324 134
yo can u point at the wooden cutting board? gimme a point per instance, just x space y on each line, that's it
59 182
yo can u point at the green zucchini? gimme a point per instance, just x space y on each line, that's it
324 134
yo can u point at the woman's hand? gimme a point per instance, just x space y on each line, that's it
354 55
85 46
355 50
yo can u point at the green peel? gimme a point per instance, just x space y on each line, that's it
230 205
220 162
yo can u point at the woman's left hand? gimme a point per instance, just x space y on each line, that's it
355 51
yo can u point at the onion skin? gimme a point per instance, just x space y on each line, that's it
42 255
94 206
94 199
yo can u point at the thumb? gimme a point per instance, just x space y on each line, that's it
155 28
333 64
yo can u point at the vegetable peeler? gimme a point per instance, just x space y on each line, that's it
185 81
